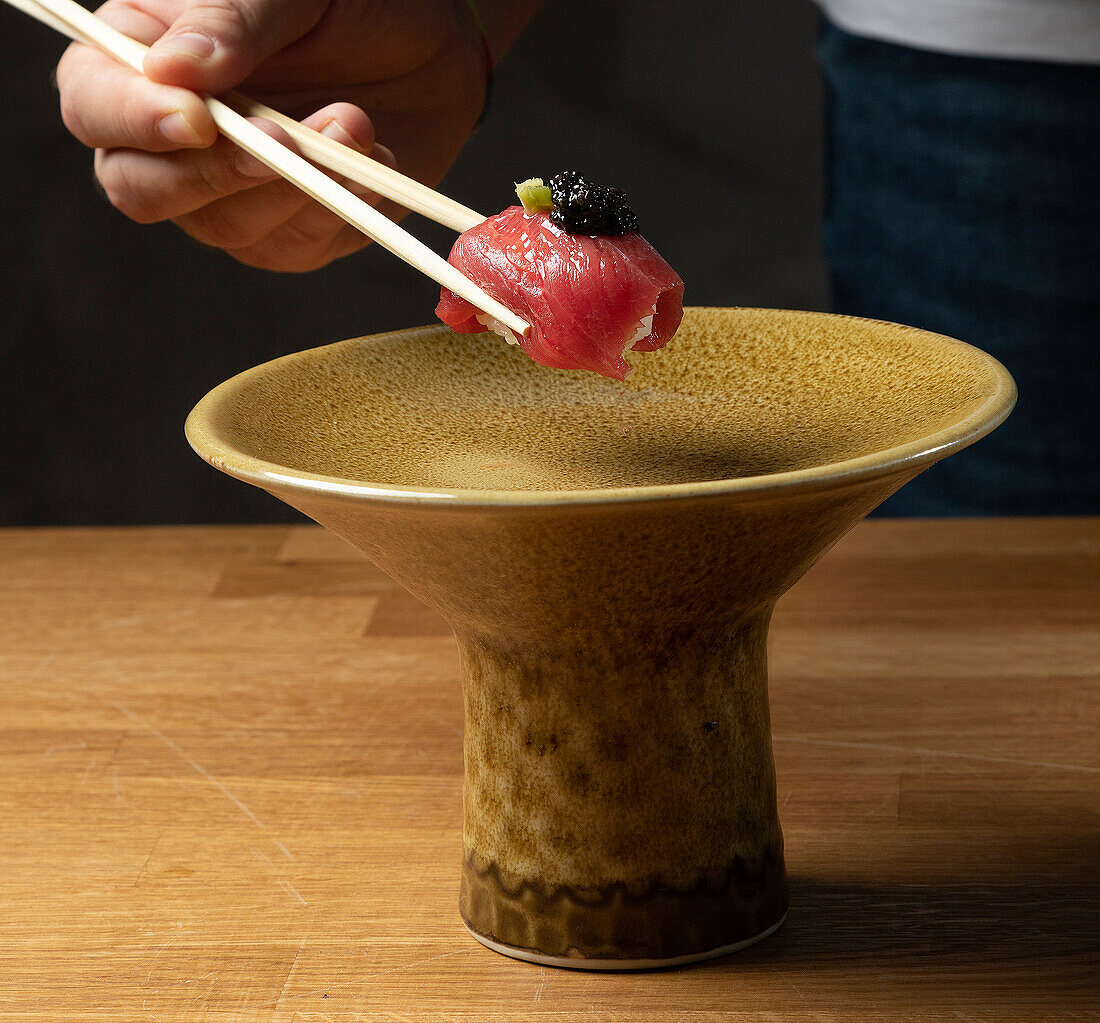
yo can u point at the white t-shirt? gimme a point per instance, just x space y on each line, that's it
1067 31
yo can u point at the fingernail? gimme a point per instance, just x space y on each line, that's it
177 129
380 153
248 166
189 44
335 131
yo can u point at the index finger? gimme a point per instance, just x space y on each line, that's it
108 105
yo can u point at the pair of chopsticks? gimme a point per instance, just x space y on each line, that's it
230 114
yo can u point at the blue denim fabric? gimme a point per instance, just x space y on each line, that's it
964 197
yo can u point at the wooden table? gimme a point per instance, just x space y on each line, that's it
231 765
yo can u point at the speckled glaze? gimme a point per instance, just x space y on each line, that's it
608 556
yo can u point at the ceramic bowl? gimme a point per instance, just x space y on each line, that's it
608 556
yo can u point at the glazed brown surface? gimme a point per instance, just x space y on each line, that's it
614 671
617 737
622 921
620 803
598 643
596 766
736 393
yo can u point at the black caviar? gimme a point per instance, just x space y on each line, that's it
582 207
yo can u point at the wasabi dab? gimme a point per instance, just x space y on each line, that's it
535 196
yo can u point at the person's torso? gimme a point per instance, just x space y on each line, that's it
1066 31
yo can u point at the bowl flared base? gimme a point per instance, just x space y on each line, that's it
530 955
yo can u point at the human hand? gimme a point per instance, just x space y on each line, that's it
406 73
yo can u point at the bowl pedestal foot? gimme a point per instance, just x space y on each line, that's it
619 800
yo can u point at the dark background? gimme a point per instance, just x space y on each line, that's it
707 114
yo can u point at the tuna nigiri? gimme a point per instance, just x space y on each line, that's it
571 263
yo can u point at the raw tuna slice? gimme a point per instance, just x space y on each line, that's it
588 299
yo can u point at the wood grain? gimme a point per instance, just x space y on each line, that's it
232 766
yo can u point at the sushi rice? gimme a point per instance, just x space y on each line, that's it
644 329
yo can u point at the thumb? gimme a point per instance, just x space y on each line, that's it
215 44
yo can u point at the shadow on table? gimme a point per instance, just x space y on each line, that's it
1026 922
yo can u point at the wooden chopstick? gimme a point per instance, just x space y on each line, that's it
69 18
377 176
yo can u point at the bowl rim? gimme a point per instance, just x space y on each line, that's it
211 445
